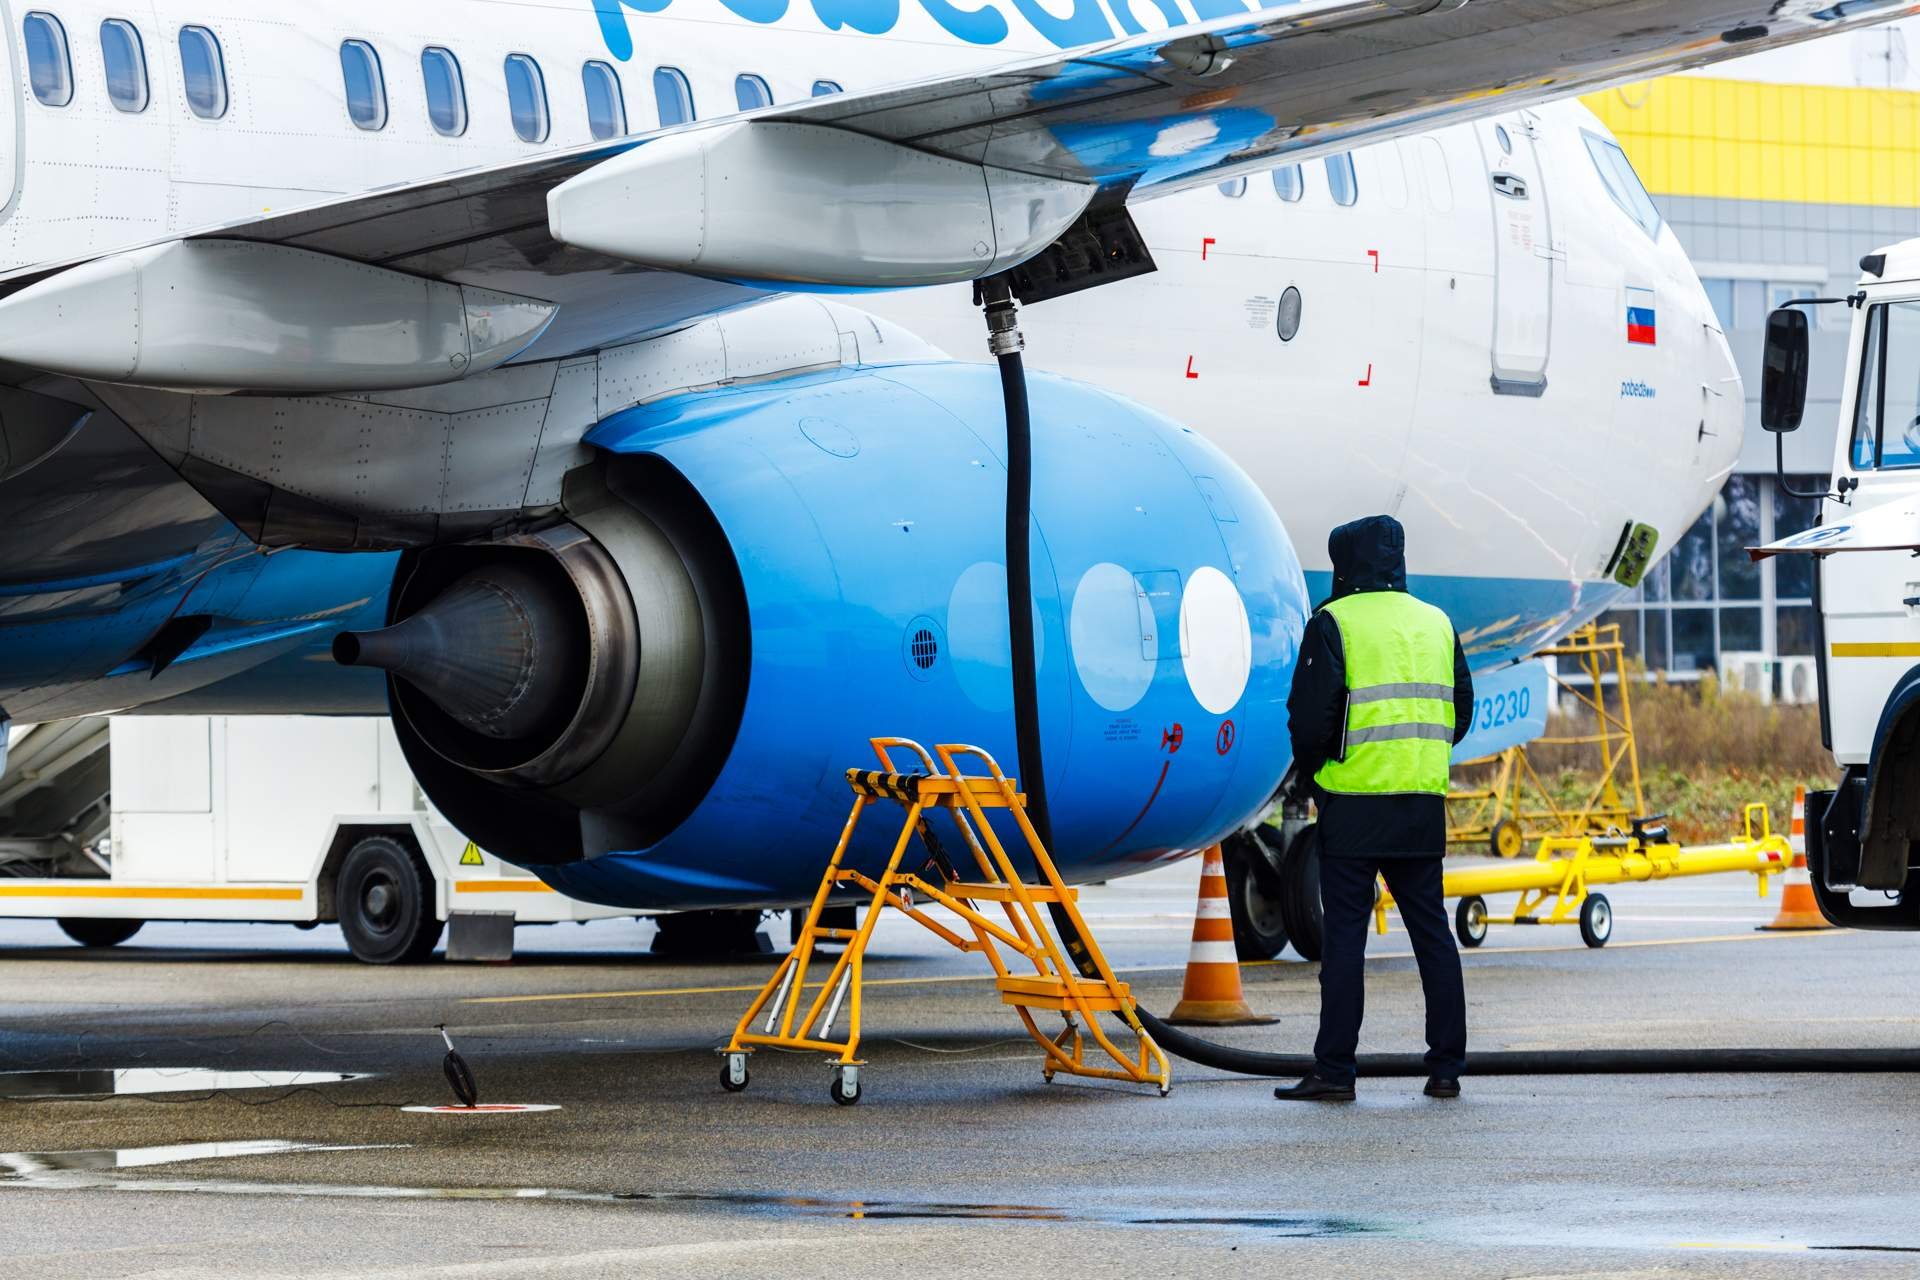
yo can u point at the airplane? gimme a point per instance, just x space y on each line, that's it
537 372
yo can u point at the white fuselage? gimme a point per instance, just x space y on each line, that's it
1461 358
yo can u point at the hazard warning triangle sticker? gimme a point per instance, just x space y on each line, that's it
470 857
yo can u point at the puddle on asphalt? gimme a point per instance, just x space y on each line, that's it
109 1082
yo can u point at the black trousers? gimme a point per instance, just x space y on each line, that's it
1346 900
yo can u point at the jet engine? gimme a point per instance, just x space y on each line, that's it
654 702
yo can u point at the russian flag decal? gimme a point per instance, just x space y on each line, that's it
1640 318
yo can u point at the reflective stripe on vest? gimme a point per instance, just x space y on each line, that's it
1398 736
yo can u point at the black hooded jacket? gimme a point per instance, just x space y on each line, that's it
1368 555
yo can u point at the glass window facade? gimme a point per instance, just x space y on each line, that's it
1707 598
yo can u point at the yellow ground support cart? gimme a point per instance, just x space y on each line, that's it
1055 984
1516 806
1554 886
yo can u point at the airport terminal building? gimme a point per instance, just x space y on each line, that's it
1776 175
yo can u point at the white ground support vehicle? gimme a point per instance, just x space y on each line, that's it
1863 837
107 823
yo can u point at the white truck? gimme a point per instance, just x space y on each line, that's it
106 824
1863 837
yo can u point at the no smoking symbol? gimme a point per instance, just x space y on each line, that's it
1223 741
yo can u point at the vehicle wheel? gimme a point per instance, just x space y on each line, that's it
733 1072
95 934
1253 896
1596 920
1300 896
1470 921
1507 840
384 899
845 1088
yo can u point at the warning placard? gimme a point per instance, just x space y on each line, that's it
470 856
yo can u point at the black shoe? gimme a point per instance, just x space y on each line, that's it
1442 1087
1314 1089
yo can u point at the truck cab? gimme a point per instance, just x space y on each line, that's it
1863 837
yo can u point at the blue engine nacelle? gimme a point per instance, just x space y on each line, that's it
758 580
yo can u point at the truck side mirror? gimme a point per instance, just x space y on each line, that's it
1783 371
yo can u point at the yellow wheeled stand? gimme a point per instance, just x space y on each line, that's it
1561 873
1055 983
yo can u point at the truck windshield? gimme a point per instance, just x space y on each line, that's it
1886 413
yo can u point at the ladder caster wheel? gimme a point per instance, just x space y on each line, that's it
1596 920
1470 921
1165 1090
733 1073
845 1088
1047 1076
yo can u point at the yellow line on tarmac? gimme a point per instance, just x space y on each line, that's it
741 989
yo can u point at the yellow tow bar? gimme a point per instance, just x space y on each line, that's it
1559 877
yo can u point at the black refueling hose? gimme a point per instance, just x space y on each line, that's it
1005 342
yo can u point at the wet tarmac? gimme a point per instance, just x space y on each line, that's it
285 1150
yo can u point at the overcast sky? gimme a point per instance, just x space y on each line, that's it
1877 58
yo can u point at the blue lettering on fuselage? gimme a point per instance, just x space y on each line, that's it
1086 21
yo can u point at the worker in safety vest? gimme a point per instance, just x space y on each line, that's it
1380 696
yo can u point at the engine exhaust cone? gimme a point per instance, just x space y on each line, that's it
500 651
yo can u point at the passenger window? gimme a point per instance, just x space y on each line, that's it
606 103
1288 183
366 85
1340 179
1886 414
203 72
126 60
673 95
49 66
825 88
1622 183
751 93
446 91
1233 188
527 98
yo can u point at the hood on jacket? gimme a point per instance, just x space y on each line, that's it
1369 554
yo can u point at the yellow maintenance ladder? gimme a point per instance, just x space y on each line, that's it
1055 984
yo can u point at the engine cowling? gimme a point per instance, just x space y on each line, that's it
655 702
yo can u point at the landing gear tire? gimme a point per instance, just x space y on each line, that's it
97 935
1596 920
385 902
1470 921
845 1087
1300 893
1507 839
1254 900
733 1073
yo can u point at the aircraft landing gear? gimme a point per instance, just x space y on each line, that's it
1300 893
1254 898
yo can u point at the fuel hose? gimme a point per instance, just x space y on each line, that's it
1004 341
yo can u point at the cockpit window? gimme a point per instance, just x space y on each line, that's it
1622 183
1886 413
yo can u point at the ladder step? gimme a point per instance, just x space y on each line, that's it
1037 991
1004 892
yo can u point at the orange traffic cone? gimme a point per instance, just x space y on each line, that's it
1798 910
1211 995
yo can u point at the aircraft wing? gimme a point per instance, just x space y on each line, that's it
936 181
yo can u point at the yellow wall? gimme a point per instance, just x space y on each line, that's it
1746 140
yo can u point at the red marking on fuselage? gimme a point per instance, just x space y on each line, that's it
1190 372
1203 247
1368 380
1375 255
